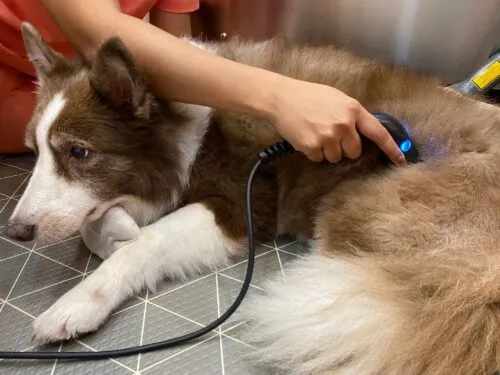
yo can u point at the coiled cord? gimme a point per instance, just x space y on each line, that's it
279 149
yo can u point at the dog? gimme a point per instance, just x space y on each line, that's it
404 276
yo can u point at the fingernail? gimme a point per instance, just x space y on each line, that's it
401 159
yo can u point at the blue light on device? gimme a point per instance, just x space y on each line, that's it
405 146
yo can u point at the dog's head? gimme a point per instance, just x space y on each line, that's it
101 139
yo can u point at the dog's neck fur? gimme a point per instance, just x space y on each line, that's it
189 141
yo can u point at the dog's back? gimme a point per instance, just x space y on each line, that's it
443 125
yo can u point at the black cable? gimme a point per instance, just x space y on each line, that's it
279 149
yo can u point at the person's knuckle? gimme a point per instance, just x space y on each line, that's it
310 144
353 106
318 142
346 124
329 132
348 120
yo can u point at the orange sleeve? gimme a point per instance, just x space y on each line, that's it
177 6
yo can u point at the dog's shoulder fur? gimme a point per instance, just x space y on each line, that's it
445 126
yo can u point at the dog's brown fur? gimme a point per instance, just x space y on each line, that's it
433 228
430 230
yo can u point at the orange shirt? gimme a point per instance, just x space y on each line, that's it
14 12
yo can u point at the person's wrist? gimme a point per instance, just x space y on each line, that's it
266 96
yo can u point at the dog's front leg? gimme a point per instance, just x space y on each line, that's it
180 244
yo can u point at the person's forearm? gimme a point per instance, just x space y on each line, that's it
182 72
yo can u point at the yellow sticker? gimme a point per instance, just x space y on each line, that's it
488 75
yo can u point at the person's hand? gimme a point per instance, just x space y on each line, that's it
323 123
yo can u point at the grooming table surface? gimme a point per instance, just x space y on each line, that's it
32 278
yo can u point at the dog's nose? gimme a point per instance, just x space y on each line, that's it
21 232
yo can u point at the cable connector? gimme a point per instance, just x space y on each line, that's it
279 149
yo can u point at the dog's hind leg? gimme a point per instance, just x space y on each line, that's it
180 244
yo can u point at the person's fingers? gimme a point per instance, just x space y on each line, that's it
314 154
351 144
371 128
333 151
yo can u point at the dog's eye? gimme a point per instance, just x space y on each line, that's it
79 152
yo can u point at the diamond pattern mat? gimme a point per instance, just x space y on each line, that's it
32 278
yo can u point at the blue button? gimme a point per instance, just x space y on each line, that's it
405 146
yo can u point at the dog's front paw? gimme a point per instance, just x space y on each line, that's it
74 314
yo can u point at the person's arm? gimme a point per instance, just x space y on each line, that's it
316 119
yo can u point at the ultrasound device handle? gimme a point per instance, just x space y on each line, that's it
400 135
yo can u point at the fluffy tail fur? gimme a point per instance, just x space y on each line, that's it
366 315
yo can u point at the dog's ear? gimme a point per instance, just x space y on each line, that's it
44 58
115 76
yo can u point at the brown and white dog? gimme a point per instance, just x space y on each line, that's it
405 275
